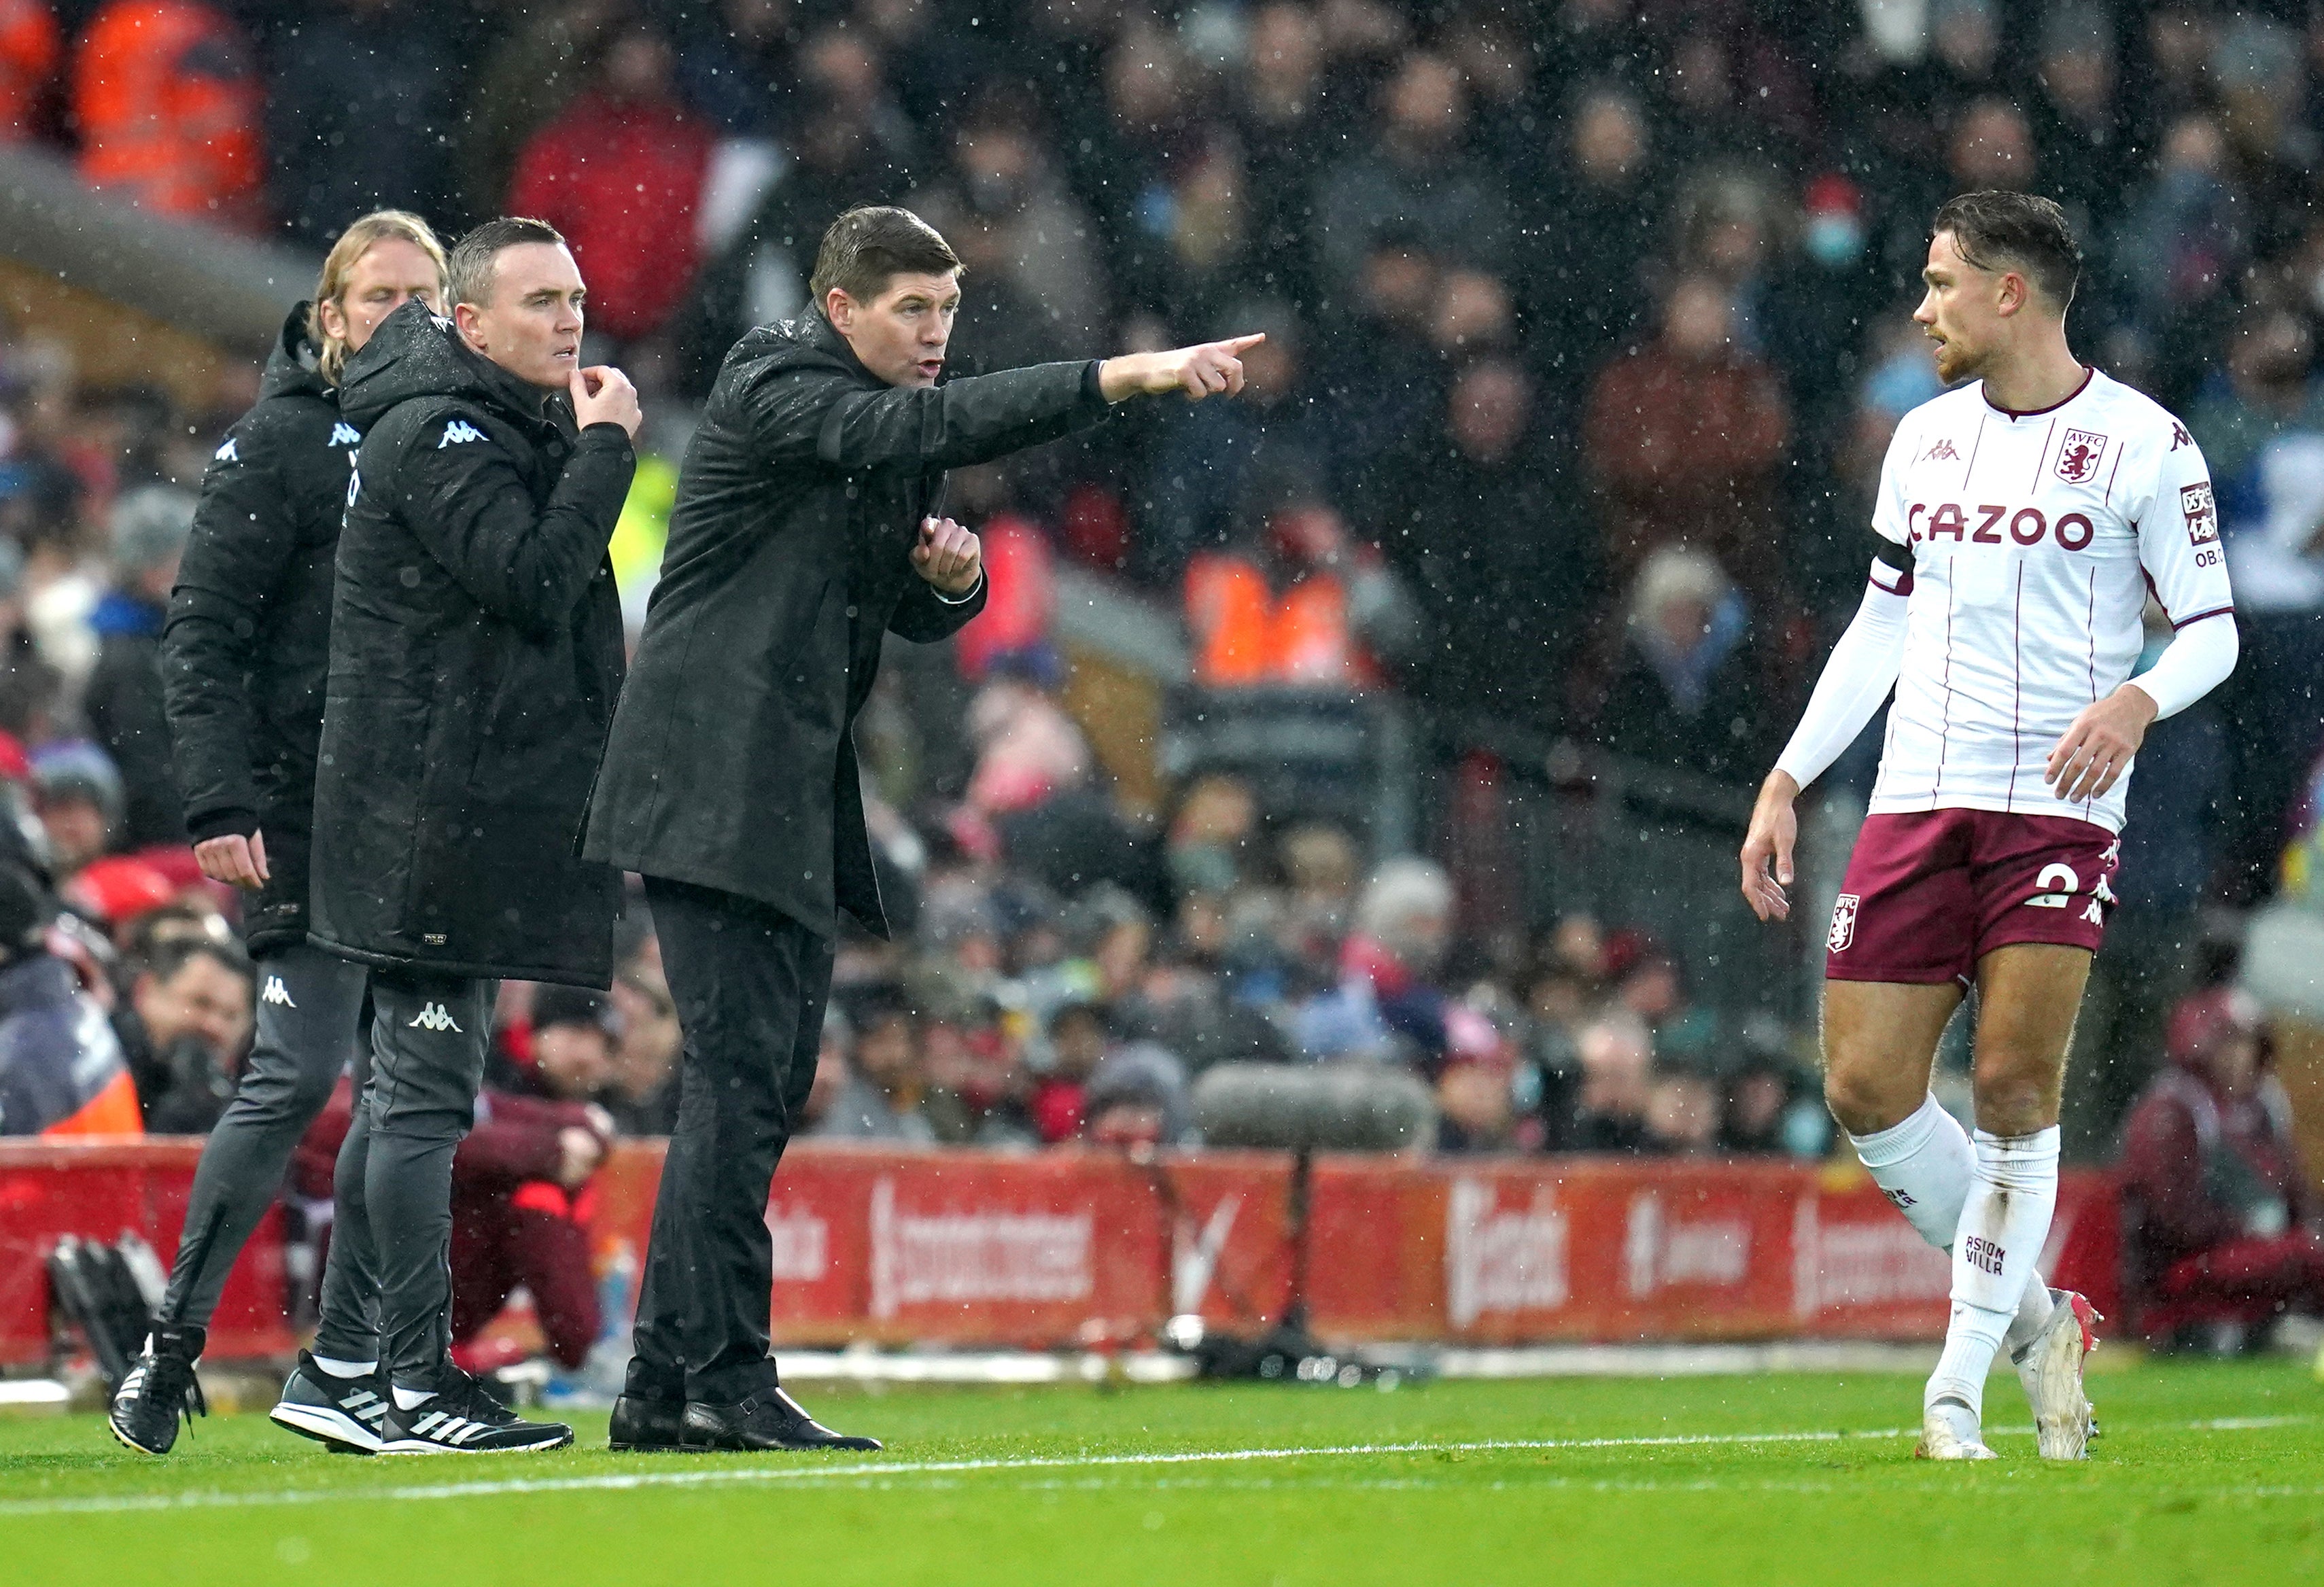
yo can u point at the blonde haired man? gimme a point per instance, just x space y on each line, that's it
244 654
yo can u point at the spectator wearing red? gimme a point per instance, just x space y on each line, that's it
1028 750
169 107
2217 1212
1684 442
523 1183
1403 930
1080 1034
619 173
1015 621
30 49
113 891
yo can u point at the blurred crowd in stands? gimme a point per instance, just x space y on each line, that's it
1587 327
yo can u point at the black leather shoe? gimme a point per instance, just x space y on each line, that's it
644 1424
769 1419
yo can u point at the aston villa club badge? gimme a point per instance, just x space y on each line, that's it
2077 458
1843 922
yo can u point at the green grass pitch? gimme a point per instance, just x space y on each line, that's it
2206 1473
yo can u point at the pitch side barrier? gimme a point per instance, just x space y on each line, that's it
1534 827
1090 1249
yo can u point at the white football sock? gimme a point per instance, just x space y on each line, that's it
1924 1166
2004 1223
339 1368
406 1398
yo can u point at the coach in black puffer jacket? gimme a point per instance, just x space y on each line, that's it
248 639
475 655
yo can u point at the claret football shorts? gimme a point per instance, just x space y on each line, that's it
1931 892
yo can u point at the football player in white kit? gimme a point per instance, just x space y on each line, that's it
2024 519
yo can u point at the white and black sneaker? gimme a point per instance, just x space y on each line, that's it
159 1388
461 1417
343 1413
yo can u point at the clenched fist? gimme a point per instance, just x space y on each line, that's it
602 394
949 557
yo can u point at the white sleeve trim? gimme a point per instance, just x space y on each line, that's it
1864 667
2196 661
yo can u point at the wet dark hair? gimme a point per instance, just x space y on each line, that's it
468 274
1997 230
870 245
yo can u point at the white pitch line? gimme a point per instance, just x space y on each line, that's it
619 1481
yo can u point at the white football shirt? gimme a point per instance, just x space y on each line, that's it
2036 538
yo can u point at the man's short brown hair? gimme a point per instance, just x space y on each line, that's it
468 279
1997 230
870 245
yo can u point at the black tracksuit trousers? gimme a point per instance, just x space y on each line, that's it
311 1026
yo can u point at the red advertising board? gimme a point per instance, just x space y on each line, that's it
1504 1251
889 1245
1094 1249
101 1190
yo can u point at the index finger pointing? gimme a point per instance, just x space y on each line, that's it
1237 344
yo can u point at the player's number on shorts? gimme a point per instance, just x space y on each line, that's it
2054 887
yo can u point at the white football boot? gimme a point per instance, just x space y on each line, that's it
1950 1431
2050 1369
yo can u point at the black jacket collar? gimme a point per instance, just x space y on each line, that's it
825 336
292 367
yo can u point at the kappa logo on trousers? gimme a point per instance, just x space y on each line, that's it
277 993
432 1018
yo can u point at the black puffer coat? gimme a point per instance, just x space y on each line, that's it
732 763
475 655
248 637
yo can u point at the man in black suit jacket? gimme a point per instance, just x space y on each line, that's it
802 534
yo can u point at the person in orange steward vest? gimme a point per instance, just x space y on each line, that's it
168 102
61 1071
1300 611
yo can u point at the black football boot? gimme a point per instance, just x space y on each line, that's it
159 1389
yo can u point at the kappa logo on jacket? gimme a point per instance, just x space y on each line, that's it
344 434
227 454
276 993
433 1018
459 432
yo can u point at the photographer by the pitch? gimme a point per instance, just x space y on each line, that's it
802 535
